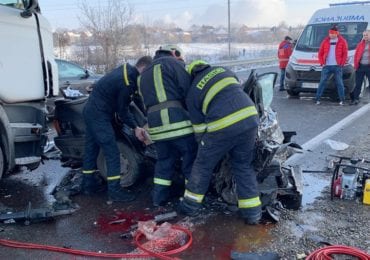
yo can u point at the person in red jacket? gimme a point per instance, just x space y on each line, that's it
362 65
284 51
333 55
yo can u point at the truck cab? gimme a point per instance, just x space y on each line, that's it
303 71
28 75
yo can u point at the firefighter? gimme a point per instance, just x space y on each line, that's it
225 120
110 95
163 86
284 51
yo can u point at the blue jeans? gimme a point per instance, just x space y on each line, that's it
326 72
282 77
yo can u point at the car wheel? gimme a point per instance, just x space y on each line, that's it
2 161
292 93
130 161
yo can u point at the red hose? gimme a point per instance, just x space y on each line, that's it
325 252
147 254
164 255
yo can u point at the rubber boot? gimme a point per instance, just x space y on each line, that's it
189 208
117 193
91 184
160 195
252 216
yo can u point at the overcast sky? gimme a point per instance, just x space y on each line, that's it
184 13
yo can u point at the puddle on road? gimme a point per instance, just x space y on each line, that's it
223 234
307 223
313 185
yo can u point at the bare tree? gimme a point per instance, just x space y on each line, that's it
107 24
61 40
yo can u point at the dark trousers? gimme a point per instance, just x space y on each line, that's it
282 78
168 153
213 147
100 134
360 75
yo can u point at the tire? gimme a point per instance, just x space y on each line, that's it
131 163
292 93
2 161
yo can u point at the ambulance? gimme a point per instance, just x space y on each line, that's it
304 70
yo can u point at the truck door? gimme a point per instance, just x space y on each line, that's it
26 55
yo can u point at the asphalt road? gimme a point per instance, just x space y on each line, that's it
79 230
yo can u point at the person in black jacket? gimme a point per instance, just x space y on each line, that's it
111 94
163 86
225 120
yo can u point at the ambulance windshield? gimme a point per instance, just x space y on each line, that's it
313 35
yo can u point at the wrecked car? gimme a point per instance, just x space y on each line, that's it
279 185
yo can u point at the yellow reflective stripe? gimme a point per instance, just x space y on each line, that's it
165 117
163 182
169 127
176 133
231 119
212 92
88 171
193 196
125 76
200 128
158 84
138 82
113 178
249 203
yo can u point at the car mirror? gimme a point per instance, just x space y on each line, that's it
86 75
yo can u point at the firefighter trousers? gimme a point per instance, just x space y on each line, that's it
100 134
212 148
169 152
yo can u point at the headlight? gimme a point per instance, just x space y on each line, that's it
293 60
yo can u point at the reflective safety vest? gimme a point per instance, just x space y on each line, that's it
216 102
163 87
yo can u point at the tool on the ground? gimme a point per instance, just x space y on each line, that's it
31 215
118 221
158 218
349 179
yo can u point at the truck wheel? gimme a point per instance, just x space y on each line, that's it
2 161
131 163
292 93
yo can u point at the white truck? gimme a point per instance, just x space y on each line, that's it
28 74
303 70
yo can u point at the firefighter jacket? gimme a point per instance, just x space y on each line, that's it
112 93
359 51
162 86
284 51
341 51
217 103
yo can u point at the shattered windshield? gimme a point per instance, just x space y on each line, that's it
313 35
